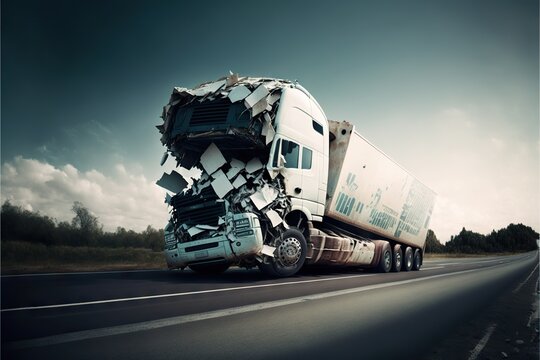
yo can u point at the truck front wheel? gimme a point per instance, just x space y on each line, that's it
289 256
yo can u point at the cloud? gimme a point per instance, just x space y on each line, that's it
123 198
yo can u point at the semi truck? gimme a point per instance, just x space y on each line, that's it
280 187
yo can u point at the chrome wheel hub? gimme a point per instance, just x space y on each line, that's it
289 251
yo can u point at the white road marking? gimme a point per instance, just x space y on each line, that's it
483 341
179 294
432 268
525 281
177 320
186 293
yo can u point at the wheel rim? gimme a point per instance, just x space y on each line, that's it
289 252
387 259
398 260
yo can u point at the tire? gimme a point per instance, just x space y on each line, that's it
408 259
397 259
385 260
417 260
290 255
209 269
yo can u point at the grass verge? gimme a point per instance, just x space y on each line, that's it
20 257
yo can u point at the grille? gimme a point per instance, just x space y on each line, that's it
202 209
210 113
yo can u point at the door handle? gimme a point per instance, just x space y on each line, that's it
297 190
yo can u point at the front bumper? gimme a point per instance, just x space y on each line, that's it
243 239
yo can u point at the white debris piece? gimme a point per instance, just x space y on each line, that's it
212 159
236 167
221 184
268 250
260 92
274 217
232 78
173 182
221 220
253 165
194 230
239 93
268 131
207 227
207 88
259 107
264 197
239 181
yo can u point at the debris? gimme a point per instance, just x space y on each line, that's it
504 355
260 92
239 181
520 342
268 250
212 159
239 93
264 197
253 165
274 217
173 182
232 79
236 167
194 230
168 198
207 227
268 131
221 184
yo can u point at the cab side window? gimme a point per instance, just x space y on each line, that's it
290 151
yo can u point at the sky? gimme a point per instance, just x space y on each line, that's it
449 89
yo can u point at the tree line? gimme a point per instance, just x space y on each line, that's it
513 238
83 230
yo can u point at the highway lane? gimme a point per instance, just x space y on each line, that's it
321 312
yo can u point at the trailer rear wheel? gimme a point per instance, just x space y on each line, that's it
385 261
408 259
397 259
417 260
290 254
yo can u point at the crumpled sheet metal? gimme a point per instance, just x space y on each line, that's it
244 186
258 94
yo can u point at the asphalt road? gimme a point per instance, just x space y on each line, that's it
321 313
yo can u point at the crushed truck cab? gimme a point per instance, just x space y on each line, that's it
281 186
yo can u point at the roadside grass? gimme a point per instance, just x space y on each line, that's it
19 257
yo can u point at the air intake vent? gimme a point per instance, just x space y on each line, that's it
210 113
202 209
